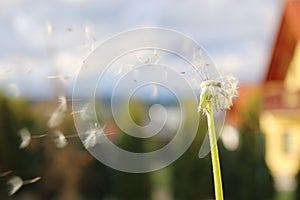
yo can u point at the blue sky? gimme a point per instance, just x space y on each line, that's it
45 38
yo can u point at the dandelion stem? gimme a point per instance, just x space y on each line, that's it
214 153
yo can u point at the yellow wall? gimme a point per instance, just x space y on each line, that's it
279 129
292 81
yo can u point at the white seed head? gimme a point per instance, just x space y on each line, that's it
219 92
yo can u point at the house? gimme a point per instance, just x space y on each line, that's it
280 115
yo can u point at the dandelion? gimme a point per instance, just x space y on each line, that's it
16 183
217 94
57 116
60 139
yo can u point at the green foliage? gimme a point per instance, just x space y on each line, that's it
133 186
245 173
14 115
96 181
192 176
298 187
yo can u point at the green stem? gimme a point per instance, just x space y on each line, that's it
214 153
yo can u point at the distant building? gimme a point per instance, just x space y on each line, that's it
280 115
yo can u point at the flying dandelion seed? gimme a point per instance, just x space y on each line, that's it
85 112
49 28
165 75
25 138
139 59
154 91
95 136
58 115
153 58
89 32
62 103
155 54
62 78
16 183
157 57
120 70
60 139
3 174
92 47
55 119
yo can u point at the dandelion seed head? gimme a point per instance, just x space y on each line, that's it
219 92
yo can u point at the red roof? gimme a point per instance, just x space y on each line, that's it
287 37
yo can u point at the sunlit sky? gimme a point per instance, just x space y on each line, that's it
46 38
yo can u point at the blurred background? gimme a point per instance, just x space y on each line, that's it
44 43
